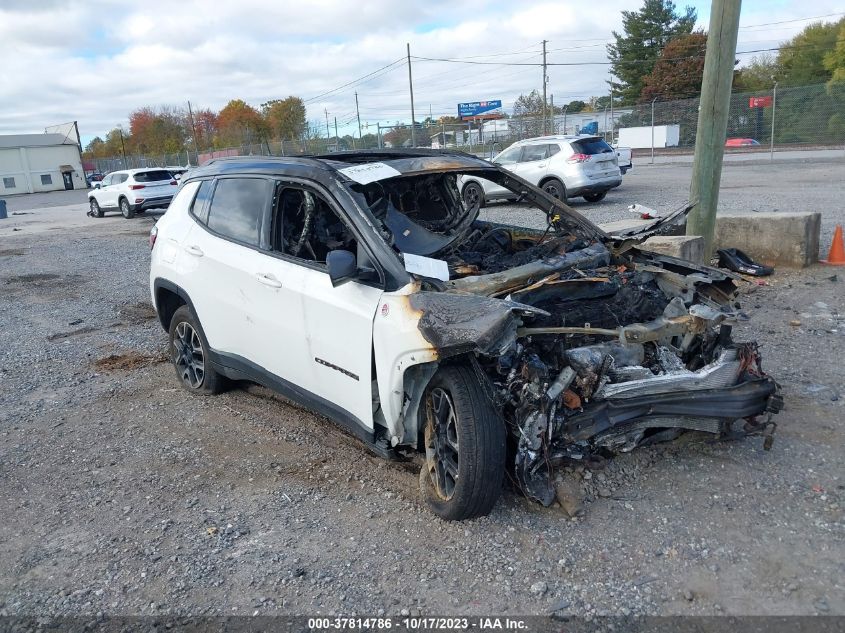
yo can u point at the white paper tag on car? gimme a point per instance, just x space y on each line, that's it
369 172
426 266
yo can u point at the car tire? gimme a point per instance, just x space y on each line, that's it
473 195
595 197
555 189
96 211
461 425
126 209
189 354
624 170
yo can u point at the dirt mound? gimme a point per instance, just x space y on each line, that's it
129 360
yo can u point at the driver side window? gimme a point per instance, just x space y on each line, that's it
306 227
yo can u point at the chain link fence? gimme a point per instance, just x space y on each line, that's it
778 118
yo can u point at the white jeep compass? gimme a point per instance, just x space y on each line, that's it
363 286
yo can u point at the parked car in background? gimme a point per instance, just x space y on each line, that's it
562 166
741 142
177 171
132 191
624 157
358 284
93 179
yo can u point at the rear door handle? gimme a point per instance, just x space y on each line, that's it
196 251
268 280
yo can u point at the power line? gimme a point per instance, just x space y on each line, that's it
814 17
392 66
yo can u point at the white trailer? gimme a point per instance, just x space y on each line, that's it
640 137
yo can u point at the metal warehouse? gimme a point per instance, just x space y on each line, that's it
39 162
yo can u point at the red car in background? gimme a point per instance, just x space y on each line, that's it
741 142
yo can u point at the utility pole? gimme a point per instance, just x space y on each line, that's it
552 128
411 89
545 80
611 109
378 133
652 130
336 137
713 119
358 114
328 134
122 146
193 133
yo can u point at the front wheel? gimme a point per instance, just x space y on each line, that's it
464 446
555 189
473 196
96 211
595 197
189 354
126 209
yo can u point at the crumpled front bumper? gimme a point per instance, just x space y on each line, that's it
625 415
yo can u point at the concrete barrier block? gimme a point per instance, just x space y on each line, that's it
786 239
689 247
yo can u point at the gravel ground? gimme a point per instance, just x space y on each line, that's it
122 494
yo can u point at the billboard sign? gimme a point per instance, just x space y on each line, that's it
759 102
480 109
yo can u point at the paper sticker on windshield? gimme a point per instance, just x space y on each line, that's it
426 266
370 172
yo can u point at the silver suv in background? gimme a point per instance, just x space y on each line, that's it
562 166
132 191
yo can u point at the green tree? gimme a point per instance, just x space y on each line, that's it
285 118
645 33
678 71
758 75
573 106
801 60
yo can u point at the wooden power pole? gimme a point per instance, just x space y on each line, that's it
713 119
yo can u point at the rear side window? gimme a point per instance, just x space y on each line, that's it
591 146
153 176
200 206
509 156
534 152
237 209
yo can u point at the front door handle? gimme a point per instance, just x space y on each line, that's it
268 280
196 251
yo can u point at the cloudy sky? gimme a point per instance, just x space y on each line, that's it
95 61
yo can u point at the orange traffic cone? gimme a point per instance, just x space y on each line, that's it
836 256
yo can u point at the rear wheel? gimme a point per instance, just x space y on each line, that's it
464 446
595 197
126 209
473 196
189 354
96 211
555 189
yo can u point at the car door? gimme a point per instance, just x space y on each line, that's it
222 253
533 164
102 194
333 339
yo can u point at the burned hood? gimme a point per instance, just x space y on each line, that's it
456 323
417 199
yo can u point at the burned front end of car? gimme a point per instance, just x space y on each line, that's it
586 344
619 351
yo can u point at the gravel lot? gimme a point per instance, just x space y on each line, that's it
122 494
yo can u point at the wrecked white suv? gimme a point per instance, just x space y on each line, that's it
361 285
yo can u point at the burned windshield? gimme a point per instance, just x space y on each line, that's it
426 213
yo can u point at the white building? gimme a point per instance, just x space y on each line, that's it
39 162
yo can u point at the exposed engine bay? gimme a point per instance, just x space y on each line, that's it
588 345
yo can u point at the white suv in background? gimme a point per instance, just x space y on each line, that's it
562 166
131 191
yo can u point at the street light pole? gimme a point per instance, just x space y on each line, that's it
652 130
774 104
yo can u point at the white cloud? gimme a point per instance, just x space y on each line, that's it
97 61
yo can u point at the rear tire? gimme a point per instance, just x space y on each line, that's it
624 170
555 189
464 446
96 211
189 355
595 197
126 209
473 195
